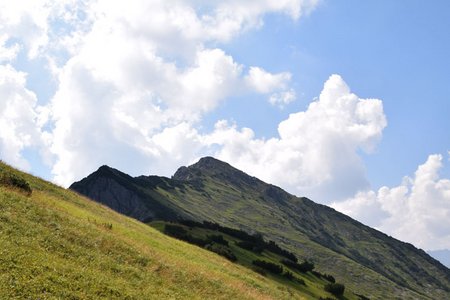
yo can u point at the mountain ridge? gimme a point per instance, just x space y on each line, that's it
215 191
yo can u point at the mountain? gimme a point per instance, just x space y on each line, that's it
211 190
57 244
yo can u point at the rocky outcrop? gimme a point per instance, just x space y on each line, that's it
107 191
125 194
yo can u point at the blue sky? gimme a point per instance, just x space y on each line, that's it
383 49
346 102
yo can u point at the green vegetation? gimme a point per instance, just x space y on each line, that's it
269 266
252 242
304 267
15 181
266 262
336 289
222 250
56 244
218 238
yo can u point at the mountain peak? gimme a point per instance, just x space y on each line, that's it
104 171
104 168
212 167
209 162
205 166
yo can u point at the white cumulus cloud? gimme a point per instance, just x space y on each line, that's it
132 75
19 121
265 83
417 211
281 99
316 153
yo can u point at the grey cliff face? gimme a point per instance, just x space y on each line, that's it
107 191
134 197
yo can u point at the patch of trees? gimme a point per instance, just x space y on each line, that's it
305 266
262 266
180 233
214 243
274 248
327 277
175 230
266 265
299 280
336 289
222 250
252 242
250 246
15 181
217 238
218 244
288 275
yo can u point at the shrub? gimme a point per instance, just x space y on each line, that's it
336 289
329 278
175 231
15 181
303 267
217 239
317 274
222 250
306 266
289 263
250 246
180 233
275 248
271 267
288 275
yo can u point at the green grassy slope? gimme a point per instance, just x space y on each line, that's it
309 283
56 244
363 258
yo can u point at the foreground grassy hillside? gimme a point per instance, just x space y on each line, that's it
57 244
